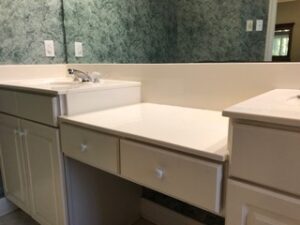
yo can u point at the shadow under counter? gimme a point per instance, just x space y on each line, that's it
96 197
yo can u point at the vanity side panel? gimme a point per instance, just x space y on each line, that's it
99 198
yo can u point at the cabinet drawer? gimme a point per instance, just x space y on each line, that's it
266 156
90 147
39 108
8 102
247 204
189 179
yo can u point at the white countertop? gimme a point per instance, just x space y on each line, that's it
65 85
280 106
194 131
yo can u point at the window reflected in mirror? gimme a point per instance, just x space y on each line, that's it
286 42
283 42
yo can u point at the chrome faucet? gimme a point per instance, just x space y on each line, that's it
80 75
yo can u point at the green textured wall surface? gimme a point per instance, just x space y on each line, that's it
215 30
127 31
164 31
24 25
131 31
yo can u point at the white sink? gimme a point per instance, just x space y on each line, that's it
280 106
81 97
66 85
295 100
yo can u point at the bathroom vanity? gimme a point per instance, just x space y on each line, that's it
264 166
178 151
81 153
31 157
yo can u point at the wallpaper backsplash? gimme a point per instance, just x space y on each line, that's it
159 31
24 25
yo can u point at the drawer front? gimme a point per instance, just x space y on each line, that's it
93 148
8 102
266 156
250 205
39 108
189 179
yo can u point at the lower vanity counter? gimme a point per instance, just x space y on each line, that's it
180 152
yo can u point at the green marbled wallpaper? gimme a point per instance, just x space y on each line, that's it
123 31
164 31
24 25
214 30
131 31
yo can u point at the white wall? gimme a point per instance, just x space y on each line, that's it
20 72
210 86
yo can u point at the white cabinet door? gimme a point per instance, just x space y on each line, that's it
45 173
12 162
250 205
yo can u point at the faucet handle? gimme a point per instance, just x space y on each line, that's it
95 77
71 71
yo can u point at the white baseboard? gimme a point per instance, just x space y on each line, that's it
160 215
6 206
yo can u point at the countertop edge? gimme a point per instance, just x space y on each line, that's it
261 118
219 158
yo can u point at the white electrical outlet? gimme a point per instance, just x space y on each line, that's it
49 48
249 25
78 49
259 25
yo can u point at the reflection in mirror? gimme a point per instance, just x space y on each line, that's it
165 31
181 31
286 44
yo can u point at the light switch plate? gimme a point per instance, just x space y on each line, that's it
259 25
78 49
249 25
49 48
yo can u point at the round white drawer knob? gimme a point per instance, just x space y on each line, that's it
160 173
83 147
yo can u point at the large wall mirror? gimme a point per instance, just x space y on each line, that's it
182 31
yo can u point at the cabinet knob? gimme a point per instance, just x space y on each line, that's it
160 173
83 147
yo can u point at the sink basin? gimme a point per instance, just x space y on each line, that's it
81 97
44 82
61 85
295 100
66 85
279 106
